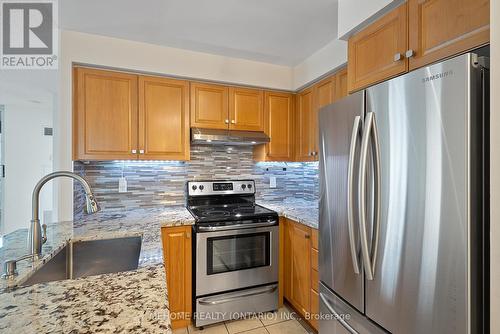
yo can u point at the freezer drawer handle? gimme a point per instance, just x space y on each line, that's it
369 255
253 292
356 129
336 315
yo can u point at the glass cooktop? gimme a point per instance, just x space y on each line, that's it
224 212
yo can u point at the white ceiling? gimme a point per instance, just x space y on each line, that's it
281 32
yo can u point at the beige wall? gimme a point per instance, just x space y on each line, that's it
331 56
354 14
495 166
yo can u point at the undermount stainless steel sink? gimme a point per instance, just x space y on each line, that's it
87 258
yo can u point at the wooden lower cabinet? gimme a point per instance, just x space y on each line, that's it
301 267
178 268
314 311
300 279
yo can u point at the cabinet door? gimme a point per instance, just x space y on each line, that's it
377 52
246 109
279 115
304 149
442 28
301 267
177 258
209 106
341 84
163 119
324 94
287 268
314 309
105 115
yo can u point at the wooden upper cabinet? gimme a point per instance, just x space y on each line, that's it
341 84
443 28
377 52
304 125
279 123
163 119
177 256
324 92
104 115
209 106
246 109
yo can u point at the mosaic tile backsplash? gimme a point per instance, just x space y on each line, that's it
153 183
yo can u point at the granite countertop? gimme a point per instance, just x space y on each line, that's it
127 302
300 210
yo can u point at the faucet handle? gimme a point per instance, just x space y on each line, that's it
44 236
9 269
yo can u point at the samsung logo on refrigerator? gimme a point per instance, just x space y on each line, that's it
437 76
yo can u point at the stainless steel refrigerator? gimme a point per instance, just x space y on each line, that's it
403 204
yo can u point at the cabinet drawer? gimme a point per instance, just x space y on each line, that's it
314 259
314 238
315 280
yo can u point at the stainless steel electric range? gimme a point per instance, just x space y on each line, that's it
236 251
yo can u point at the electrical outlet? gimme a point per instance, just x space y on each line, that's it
122 185
272 182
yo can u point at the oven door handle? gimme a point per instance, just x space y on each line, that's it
253 292
235 227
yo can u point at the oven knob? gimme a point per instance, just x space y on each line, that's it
249 186
243 186
194 187
202 187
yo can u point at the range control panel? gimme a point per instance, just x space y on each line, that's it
207 188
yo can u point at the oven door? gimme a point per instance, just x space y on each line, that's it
235 259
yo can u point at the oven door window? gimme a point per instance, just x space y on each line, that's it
238 252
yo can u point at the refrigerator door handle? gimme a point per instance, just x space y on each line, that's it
350 185
377 191
336 315
369 255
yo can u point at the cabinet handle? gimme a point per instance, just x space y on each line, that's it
410 53
233 122
134 151
226 121
398 56
141 151
307 236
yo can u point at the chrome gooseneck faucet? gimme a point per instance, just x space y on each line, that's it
36 237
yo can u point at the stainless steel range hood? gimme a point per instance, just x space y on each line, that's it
227 137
